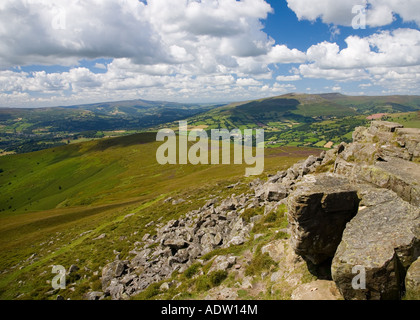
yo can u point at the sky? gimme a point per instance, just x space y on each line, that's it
56 53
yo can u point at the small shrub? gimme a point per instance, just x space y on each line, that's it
192 270
217 277
326 167
259 263
150 292
203 283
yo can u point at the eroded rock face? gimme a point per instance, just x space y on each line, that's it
383 239
319 210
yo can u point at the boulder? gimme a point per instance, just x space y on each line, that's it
175 244
398 175
222 263
319 210
275 192
94 295
112 270
381 242
384 126
412 281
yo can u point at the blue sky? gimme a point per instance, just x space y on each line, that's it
63 53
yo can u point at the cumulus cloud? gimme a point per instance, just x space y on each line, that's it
153 45
378 12
247 82
295 77
152 32
399 48
62 32
189 49
390 59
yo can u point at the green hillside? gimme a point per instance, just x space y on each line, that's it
54 203
309 120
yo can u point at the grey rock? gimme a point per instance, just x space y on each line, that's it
222 263
384 239
275 192
112 270
319 210
115 290
94 295
102 236
175 243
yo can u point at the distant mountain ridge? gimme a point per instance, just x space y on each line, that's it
289 119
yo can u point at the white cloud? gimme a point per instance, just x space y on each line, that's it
400 48
387 59
100 66
379 12
295 77
282 54
189 50
247 82
31 34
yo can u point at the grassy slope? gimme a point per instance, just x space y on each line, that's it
101 182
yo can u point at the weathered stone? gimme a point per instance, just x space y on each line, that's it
412 281
384 239
100 237
112 270
398 175
94 295
318 212
275 192
384 126
175 244
115 290
274 249
236 241
222 263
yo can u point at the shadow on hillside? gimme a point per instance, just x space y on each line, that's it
270 105
125 141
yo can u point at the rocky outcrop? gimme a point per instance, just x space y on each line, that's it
362 214
384 240
385 156
319 210
177 245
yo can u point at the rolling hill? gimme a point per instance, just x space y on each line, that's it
311 120
83 202
304 119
